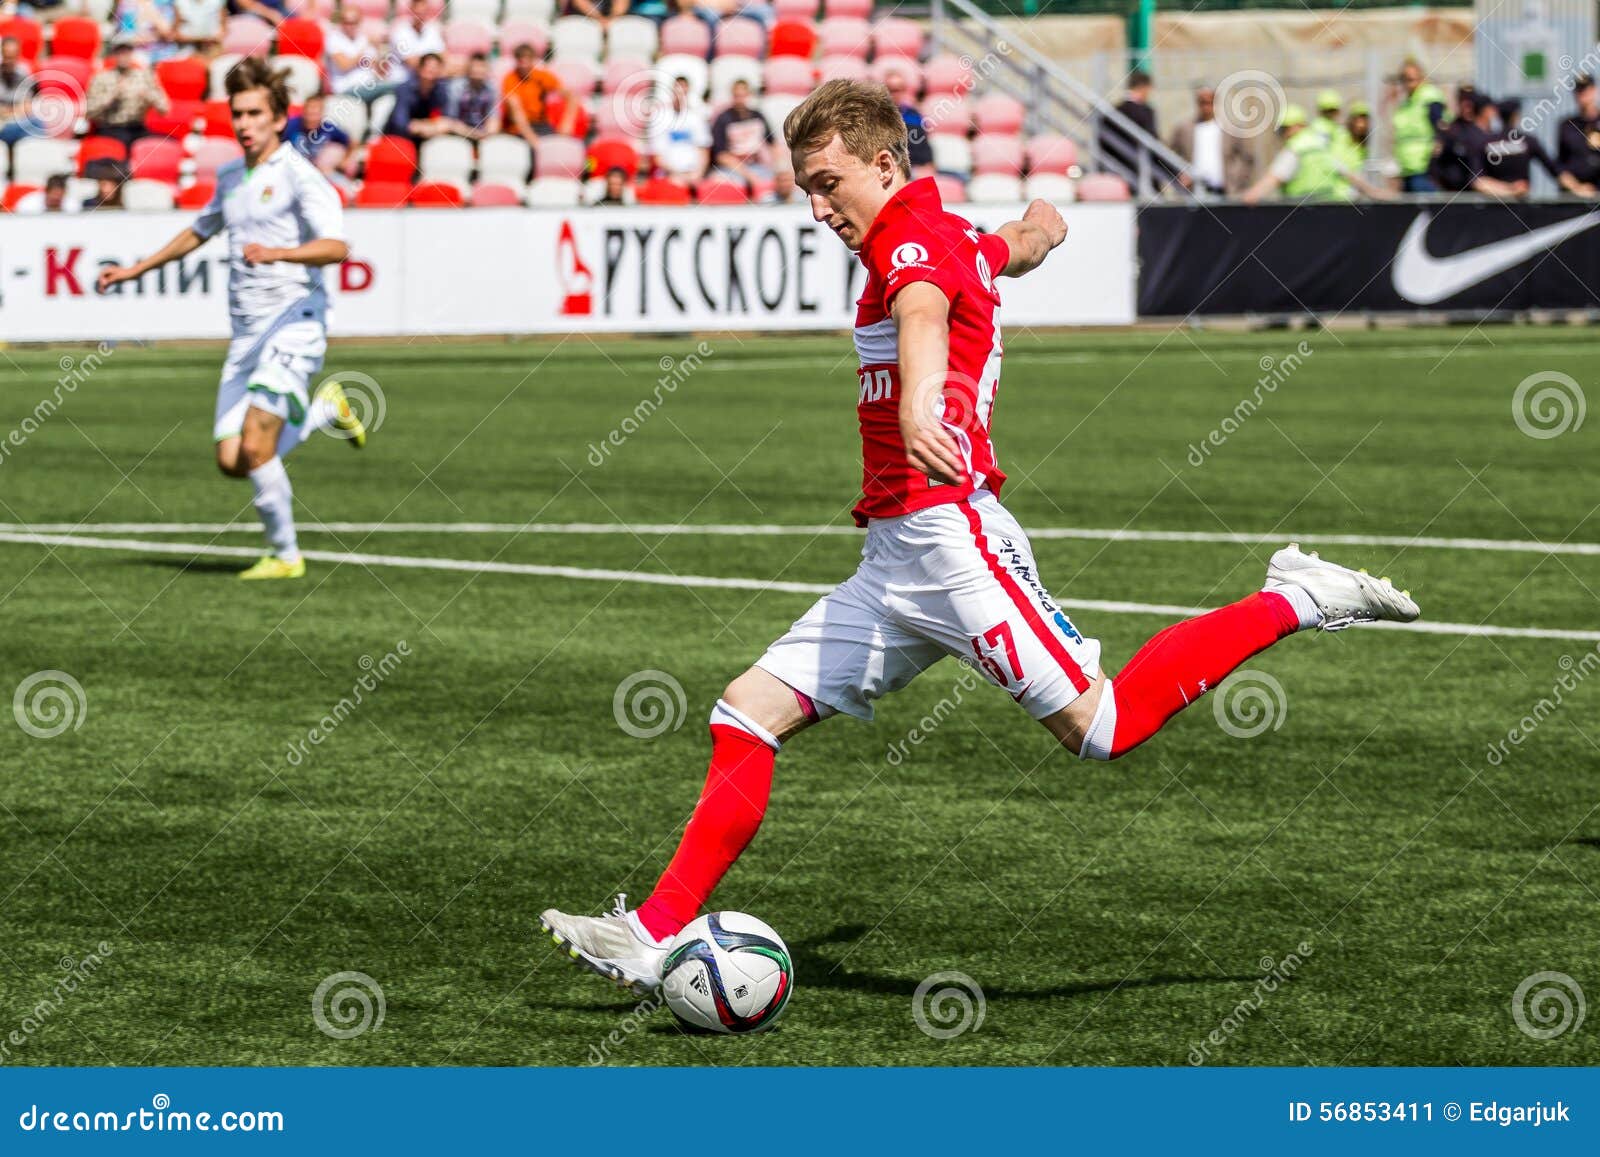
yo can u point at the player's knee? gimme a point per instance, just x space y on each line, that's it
1090 731
230 460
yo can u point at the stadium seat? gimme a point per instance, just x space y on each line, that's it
436 195
184 78
481 11
29 35
895 36
348 112
577 76
792 38
491 195
446 159
947 73
371 9
802 11
378 114
607 153
727 69
692 68
951 154
211 153
841 68
462 38
947 115
515 32
505 159
998 113
741 38
75 36
100 148
776 107
391 159
156 159
383 194
556 110
1102 187
247 36
851 37
720 190
1049 153
910 70
14 193
554 192
657 191
219 68
629 75
994 189
575 38
848 9
686 35
196 196
216 119
143 196
992 153
305 77
179 120
65 74
787 76
952 190
620 114
1051 187
298 37
559 156
631 37
537 11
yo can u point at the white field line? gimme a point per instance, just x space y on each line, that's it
741 530
472 566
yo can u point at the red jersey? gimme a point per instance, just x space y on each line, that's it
914 239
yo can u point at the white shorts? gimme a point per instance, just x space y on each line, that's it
270 367
955 579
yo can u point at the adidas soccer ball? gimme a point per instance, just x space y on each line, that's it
728 972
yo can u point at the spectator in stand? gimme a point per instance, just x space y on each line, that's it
417 36
1511 152
525 92
122 93
679 137
109 177
354 63
1417 120
1462 162
1306 169
1118 144
1578 142
151 24
50 199
474 101
741 140
700 10
1221 162
616 190
784 190
272 11
713 11
421 104
917 133
1327 123
1359 126
199 24
317 139
605 11
16 119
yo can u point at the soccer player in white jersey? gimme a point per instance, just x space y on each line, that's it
946 570
284 223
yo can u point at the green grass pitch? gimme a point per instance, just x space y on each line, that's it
1110 913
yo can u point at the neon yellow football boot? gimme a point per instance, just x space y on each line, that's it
344 418
272 567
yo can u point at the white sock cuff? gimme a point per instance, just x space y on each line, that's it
1300 599
1097 740
733 717
268 473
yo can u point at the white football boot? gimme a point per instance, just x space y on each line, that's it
615 945
1345 597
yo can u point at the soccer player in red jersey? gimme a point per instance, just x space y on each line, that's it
945 570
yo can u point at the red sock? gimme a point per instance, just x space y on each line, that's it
724 822
1190 658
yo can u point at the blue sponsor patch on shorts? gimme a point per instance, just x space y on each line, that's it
1067 628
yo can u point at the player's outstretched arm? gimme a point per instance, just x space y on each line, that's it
1031 239
322 251
922 321
180 246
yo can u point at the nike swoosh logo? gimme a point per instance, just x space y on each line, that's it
1424 279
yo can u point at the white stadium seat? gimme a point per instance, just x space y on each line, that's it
446 158
220 67
994 188
951 154
35 159
305 76
631 36
349 113
139 196
554 192
504 160
694 68
577 37
529 11
481 11
776 109
727 69
1052 187
378 114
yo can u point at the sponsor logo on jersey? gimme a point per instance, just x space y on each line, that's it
984 274
909 254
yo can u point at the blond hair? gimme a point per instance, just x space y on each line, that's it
864 116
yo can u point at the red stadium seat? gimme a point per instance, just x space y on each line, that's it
29 34
436 195
487 196
998 113
907 68
947 114
657 191
1102 187
196 196
894 36
297 37
952 191
996 154
804 11
555 108
559 156
217 117
947 73
741 37
687 35
577 76
846 38
787 76
463 38
842 68
1048 153
15 193
68 74
156 159
391 159
247 36
383 195
184 78
858 9
371 8
99 149
211 154
629 76
178 121
720 191
607 153
515 32
791 38
76 36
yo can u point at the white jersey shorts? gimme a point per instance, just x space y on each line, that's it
270 366
956 579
